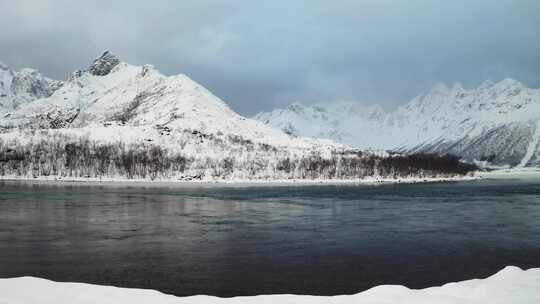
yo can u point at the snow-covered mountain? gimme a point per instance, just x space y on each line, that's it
114 92
496 122
26 85
119 120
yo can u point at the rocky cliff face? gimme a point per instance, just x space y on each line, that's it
104 64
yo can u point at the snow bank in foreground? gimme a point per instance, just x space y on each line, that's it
510 285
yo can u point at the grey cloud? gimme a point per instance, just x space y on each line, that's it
261 54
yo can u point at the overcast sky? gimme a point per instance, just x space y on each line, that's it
257 55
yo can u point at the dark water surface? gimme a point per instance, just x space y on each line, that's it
323 240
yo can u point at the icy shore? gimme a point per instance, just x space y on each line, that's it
511 173
510 285
237 182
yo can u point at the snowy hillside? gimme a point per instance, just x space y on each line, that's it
497 123
114 119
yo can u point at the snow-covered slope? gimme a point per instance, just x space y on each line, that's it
496 122
111 92
510 285
26 85
338 121
114 119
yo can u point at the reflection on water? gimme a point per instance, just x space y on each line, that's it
244 241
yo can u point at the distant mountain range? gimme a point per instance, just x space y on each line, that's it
117 120
26 85
495 124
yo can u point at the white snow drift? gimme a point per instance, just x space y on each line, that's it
510 285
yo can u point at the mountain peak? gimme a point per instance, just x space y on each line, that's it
104 64
458 87
296 107
3 66
439 88
29 71
509 82
486 84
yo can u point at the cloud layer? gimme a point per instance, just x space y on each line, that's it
259 55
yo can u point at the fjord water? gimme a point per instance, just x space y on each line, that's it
229 241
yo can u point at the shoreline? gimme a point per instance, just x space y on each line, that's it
372 181
511 173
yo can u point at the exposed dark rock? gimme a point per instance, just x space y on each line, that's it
76 74
104 64
59 119
146 69
129 112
